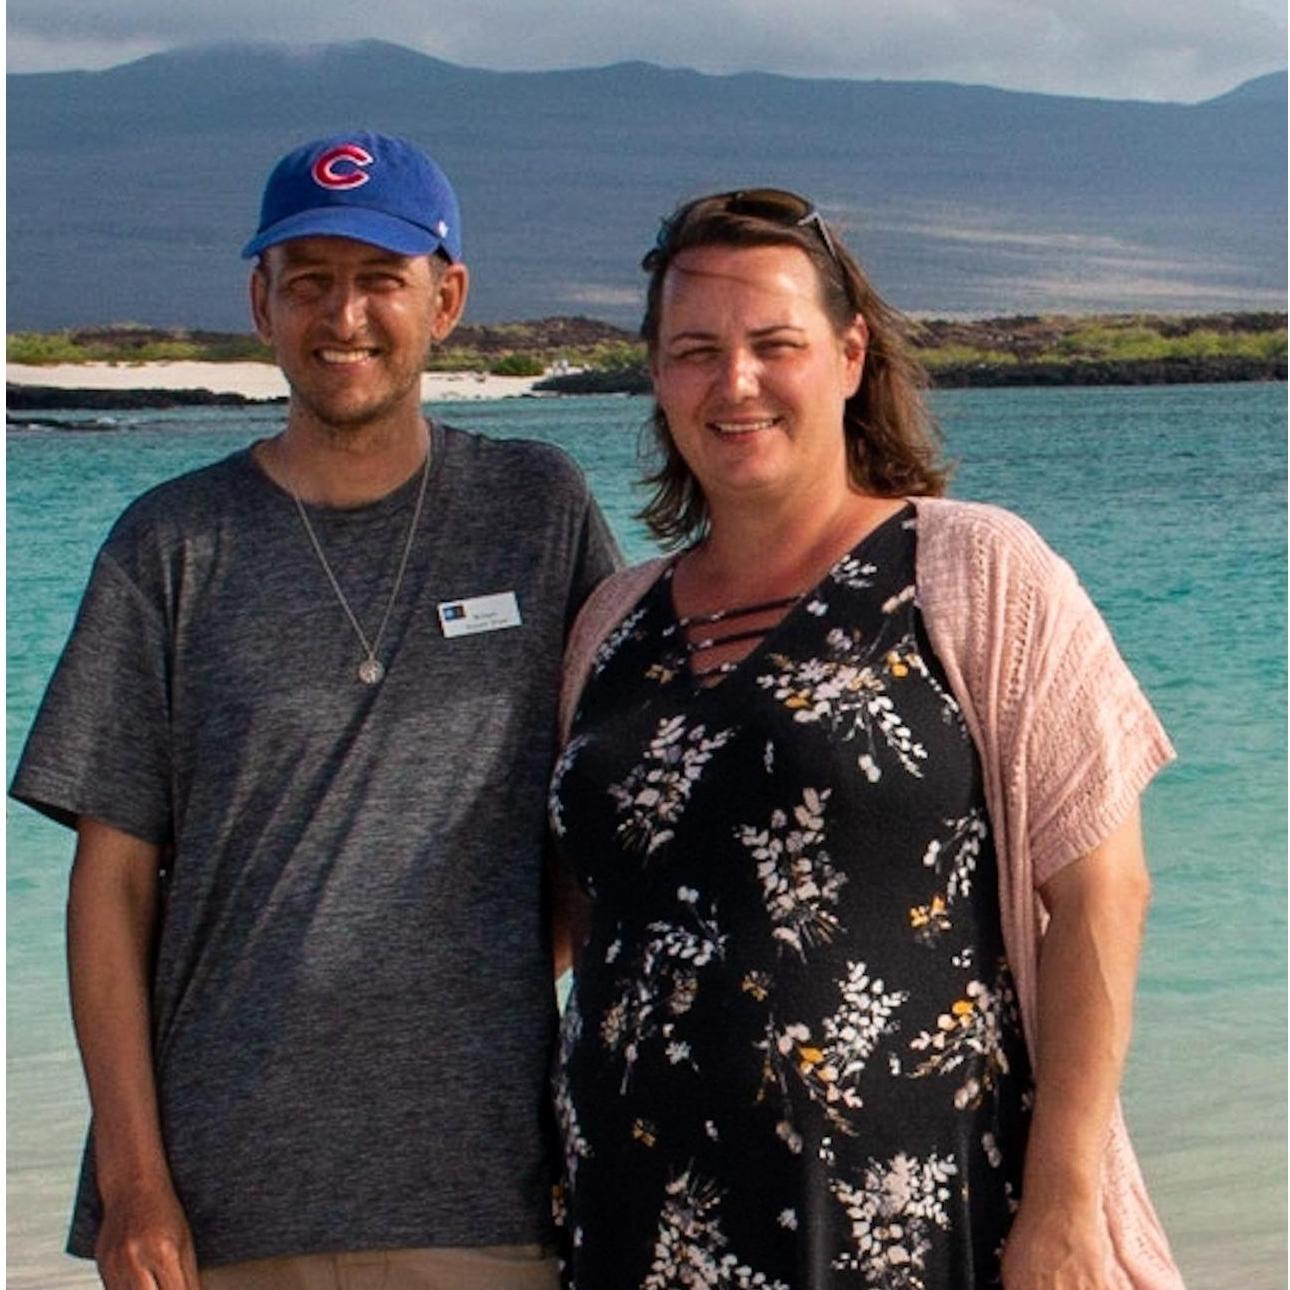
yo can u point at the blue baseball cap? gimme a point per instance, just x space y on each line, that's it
370 187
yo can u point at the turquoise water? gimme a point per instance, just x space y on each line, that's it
1170 503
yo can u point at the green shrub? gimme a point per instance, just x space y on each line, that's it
517 365
616 355
1264 345
963 355
164 351
1267 344
237 349
114 347
45 348
454 359
1109 341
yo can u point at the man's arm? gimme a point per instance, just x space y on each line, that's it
1087 970
144 1241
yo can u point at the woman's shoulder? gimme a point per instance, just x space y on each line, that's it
620 591
607 606
978 545
602 611
988 582
948 522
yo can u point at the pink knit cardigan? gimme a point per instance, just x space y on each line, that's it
1067 744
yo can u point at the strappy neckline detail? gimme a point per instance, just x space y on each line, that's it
699 678
740 611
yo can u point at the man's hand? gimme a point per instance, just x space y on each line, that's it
144 1243
1056 1247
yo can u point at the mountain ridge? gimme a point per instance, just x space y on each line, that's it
1263 87
131 189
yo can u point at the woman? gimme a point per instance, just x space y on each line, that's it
834 770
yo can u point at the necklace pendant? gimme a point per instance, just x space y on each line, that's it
371 671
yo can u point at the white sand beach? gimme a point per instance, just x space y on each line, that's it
251 380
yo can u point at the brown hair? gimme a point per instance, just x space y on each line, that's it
893 442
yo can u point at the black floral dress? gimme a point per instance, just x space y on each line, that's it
792 1056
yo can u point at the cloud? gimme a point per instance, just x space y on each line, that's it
1161 49
1112 291
603 295
1062 270
35 52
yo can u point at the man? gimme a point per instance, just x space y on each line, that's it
303 728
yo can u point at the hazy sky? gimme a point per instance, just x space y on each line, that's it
1184 50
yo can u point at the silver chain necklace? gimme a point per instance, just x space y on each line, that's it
371 671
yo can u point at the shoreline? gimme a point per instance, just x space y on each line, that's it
128 367
110 387
251 382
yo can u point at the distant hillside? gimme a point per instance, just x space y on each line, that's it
1116 349
1262 89
539 343
1124 349
130 190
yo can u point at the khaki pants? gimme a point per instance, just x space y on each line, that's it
490 1267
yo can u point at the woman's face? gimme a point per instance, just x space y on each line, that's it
752 375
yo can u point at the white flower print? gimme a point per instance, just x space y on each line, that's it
902 597
853 572
555 807
956 857
656 791
786 801
689 1245
677 1051
971 1036
830 1068
912 660
894 1213
960 851
575 1144
789 1136
798 879
662 987
847 693
991 1148
610 645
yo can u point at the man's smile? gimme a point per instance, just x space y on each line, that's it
346 356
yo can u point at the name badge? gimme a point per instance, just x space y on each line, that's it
479 614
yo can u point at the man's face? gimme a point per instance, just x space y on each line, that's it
350 325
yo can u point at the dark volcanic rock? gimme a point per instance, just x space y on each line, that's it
1165 371
26 398
621 380
542 334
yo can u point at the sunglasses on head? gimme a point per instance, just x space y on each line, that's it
775 205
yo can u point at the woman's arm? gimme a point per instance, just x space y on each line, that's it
1087 970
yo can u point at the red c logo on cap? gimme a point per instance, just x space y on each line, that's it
330 171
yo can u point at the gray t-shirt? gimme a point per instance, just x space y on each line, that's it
352 1004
